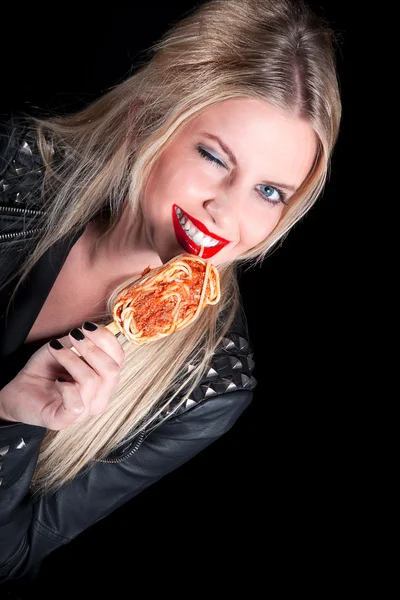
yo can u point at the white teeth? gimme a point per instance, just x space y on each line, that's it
197 236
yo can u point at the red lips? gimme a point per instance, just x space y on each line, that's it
189 245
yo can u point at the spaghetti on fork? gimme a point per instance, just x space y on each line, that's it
166 299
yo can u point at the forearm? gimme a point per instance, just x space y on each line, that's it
19 450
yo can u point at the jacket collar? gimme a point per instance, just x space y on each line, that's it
31 295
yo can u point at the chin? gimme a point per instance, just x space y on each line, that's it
167 254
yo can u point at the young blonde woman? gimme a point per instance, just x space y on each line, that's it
222 140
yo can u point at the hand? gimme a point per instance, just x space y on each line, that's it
36 397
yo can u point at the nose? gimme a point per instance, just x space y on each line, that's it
224 213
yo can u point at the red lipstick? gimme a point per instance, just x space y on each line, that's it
188 244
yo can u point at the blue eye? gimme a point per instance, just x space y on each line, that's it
272 194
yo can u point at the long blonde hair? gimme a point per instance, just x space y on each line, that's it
274 50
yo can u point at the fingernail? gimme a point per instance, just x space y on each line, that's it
89 326
77 334
55 344
61 379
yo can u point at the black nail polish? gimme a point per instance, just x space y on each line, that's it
61 379
56 345
77 334
89 326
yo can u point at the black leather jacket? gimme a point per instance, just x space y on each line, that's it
31 529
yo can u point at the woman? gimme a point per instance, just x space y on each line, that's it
226 131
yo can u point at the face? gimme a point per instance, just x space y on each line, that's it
224 180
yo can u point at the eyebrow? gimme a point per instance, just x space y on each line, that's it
232 157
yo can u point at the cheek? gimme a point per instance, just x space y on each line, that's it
256 227
171 177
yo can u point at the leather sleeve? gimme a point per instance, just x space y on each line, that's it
30 530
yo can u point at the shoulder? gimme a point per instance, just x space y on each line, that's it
21 165
222 395
231 366
227 384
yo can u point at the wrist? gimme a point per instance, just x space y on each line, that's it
4 418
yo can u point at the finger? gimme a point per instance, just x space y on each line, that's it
104 365
105 340
71 398
102 337
66 410
96 374
92 352
79 370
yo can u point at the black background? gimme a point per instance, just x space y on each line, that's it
269 493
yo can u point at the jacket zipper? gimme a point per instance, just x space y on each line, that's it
122 458
27 211
9 236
